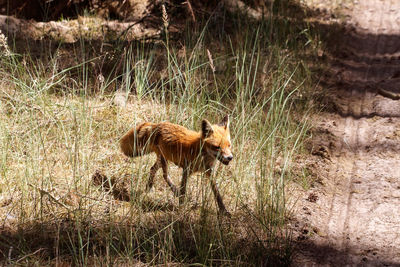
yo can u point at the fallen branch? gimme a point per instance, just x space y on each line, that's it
237 5
71 31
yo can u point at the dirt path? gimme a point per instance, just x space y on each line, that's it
356 219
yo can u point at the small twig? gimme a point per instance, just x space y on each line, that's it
130 26
26 256
388 94
44 192
9 253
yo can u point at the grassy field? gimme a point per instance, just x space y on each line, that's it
63 112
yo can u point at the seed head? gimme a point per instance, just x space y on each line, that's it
210 60
4 45
165 16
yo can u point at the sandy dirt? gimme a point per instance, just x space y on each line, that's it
353 217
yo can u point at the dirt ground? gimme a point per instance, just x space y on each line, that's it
352 218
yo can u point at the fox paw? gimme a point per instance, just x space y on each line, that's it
225 213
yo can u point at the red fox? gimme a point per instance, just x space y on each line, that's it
190 150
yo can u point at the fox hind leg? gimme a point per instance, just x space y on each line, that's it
153 171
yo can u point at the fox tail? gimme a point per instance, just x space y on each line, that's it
138 141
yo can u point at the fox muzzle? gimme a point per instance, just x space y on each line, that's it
225 159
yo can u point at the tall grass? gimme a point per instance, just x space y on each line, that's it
56 133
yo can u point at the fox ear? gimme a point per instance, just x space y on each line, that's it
206 128
225 122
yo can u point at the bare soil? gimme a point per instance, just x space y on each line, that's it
352 218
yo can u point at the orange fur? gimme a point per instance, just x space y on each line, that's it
190 150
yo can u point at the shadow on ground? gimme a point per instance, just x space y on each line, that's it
363 77
171 237
321 255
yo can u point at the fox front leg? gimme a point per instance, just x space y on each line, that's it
217 195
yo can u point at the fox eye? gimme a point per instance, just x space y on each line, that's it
216 147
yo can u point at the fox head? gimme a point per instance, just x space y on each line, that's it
217 140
